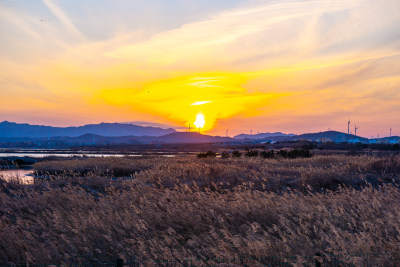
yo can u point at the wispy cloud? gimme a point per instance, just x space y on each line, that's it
237 34
59 13
11 18
199 103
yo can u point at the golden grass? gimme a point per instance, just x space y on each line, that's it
204 208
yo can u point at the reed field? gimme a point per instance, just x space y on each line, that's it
186 208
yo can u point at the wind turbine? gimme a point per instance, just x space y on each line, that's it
355 129
390 132
348 127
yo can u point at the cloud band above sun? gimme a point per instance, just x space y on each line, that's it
199 103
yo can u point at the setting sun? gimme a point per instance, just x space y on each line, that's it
200 121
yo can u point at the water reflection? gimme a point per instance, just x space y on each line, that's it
22 176
44 155
27 176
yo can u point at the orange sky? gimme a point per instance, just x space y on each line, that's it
291 66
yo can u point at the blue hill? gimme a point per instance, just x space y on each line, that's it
16 130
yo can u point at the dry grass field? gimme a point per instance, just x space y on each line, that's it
98 210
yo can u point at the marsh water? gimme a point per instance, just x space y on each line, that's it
39 153
25 173
18 175
63 155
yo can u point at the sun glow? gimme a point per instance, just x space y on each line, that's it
180 99
200 120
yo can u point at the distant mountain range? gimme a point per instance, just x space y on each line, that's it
185 137
15 130
103 133
120 133
92 139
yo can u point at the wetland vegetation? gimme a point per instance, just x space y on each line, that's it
99 209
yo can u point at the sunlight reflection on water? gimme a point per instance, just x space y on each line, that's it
23 176
44 155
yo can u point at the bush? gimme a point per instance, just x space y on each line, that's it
236 154
267 154
202 155
208 154
299 153
282 153
295 153
251 153
224 155
211 154
395 147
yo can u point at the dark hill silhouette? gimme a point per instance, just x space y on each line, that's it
193 137
333 136
15 130
328 136
392 139
93 139
96 139
260 135
172 138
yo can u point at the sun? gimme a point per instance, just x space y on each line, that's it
200 120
